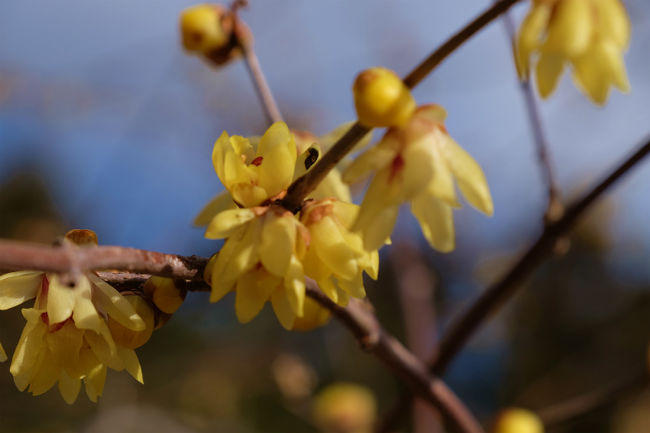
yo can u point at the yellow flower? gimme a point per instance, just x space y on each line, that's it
516 420
591 35
336 257
261 260
309 149
417 163
67 338
345 407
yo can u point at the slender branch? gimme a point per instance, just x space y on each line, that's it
304 185
554 207
568 410
24 256
244 40
373 338
491 299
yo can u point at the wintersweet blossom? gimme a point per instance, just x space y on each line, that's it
261 260
309 150
67 338
336 258
590 35
417 163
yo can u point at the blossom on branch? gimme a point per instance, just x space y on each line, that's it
67 338
417 163
336 258
590 35
261 260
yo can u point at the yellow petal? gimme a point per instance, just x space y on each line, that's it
114 304
441 184
307 159
47 374
328 140
18 287
600 67
548 71
221 146
218 204
571 28
238 255
371 160
250 297
95 380
104 348
248 194
64 345
278 239
433 112
294 283
332 186
69 387
529 37
236 171
131 362
3 354
354 286
225 223
282 309
613 23
332 248
329 288
418 167
378 229
470 177
60 299
30 347
436 221
278 150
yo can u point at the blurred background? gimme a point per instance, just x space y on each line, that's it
106 124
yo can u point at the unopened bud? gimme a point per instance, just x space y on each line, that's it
202 28
127 337
164 293
382 99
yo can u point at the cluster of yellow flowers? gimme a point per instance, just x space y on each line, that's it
74 333
591 35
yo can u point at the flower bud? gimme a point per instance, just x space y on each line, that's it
127 337
202 28
82 237
164 293
516 420
381 98
314 316
346 408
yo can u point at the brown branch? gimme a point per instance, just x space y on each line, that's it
493 298
554 207
358 318
568 410
24 256
304 185
244 39
362 323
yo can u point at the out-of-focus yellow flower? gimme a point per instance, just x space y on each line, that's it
345 408
261 260
381 98
314 316
591 35
417 163
516 420
67 339
336 257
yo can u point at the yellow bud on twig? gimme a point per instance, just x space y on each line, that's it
516 420
382 99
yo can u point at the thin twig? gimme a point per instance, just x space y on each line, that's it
244 40
304 185
491 299
568 410
373 338
554 208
